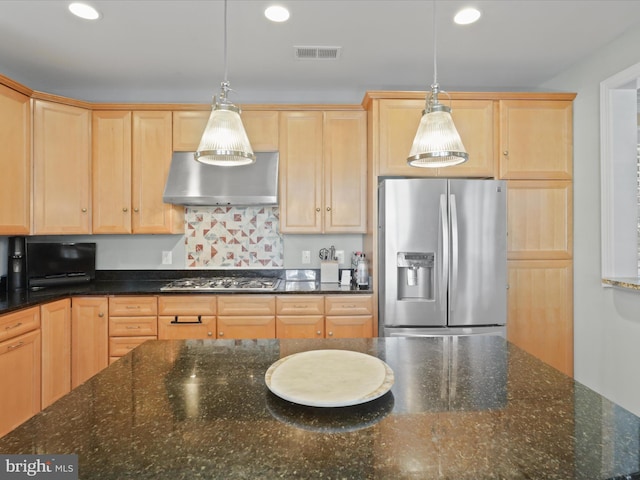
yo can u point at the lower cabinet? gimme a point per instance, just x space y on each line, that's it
181 317
56 350
349 316
246 316
300 316
20 367
132 320
89 337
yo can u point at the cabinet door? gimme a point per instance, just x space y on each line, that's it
89 337
261 128
349 326
246 326
345 172
56 350
540 310
301 172
300 326
539 219
151 159
536 139
111 173
61 169
20 370
15 162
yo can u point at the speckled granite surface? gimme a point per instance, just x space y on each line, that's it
631 283
471 408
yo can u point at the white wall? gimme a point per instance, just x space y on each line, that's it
607 320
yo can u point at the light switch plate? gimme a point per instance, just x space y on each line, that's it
306 256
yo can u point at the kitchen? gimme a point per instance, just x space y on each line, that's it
605 333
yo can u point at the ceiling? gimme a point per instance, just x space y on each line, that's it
172 51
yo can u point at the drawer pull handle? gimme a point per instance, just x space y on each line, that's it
133 327
221 334
176 321
318 332
331 334
132 307
15 345
301 306
11 327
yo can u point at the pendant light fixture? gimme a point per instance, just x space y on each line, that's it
437 142
224 141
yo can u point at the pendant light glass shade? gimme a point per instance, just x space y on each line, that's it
437 142
224 141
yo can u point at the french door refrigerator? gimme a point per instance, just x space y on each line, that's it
442 257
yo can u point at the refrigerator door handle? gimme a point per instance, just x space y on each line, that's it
454 252
444 218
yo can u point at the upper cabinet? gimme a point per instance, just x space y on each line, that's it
396 123
261 127
15 162
323 172
131 159
536 139
111 162
151 159
61 169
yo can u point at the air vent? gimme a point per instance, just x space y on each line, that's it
317 53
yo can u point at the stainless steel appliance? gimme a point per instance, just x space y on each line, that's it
194 183
217 284
16 271
442 257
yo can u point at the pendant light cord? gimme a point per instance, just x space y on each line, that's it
225 41
435 66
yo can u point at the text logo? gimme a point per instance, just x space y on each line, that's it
50 467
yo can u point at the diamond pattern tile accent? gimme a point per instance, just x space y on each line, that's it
237 237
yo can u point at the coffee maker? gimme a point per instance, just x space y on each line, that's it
16 267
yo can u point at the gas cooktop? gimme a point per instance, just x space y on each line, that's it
215 284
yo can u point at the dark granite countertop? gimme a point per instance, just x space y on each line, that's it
150 282
466 408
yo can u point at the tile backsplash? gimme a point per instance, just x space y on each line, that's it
233 237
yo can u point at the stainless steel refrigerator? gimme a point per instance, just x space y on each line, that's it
443 257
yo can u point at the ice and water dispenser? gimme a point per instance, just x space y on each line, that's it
416 275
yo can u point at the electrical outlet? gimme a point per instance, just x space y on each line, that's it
167 257
340 256
306 256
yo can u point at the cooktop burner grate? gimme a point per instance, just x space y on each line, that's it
222 283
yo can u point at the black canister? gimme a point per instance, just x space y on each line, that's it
16 268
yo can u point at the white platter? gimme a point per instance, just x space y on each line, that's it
329 378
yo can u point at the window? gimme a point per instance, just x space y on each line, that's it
620 190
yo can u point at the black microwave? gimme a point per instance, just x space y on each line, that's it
52 264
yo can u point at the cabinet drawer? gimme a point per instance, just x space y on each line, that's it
247 305
239 327
17 323
124 306
300 305
187 305
132 326
183 327
348 305
120 346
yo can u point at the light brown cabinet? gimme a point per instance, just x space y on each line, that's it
186 316
323 172
15 162
349 316
246 316
536 139
536 157
20 367
300 316
151 159
55 320
111 171
132 320
261 127
396 123
61 169
89 337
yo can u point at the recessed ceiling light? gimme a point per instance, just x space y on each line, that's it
466 16
277 13
83 10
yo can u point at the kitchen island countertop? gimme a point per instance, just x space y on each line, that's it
468 407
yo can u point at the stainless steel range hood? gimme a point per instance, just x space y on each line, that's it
193 183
